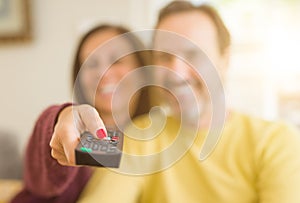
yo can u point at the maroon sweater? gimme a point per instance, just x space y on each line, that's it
44 179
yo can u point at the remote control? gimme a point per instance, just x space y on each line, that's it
104 152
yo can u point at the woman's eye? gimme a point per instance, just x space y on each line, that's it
91 64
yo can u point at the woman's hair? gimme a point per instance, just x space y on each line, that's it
143 101
176 7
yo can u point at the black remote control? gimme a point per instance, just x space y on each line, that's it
104 152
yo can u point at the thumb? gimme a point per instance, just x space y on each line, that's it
92 121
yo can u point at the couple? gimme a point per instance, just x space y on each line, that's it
254 160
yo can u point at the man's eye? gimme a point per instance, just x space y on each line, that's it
191 55
163 57
194 56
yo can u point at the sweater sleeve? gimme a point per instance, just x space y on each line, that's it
43 175
278 155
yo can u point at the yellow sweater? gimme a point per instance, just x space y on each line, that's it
254 161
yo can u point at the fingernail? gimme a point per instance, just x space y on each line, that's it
101 133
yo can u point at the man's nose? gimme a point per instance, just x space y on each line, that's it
180 67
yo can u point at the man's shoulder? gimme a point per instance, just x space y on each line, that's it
260 127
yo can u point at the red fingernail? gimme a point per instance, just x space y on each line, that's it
101 133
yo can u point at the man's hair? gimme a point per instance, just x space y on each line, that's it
176 7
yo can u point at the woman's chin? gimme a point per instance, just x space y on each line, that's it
104 99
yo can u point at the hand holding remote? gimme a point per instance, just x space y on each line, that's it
72 121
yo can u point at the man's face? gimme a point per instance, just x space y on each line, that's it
197 27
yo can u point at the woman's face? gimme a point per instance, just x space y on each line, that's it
101 72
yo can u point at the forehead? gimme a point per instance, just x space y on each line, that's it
104 41
98 38
193 25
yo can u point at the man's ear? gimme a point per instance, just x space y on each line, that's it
224 63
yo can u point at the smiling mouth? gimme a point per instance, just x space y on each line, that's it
182 86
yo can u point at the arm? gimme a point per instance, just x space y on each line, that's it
51 145
278 155
43 176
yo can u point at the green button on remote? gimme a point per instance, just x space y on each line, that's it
84 149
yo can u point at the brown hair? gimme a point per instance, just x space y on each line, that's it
176 7
143 103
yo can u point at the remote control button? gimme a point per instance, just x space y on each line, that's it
86 144
104 148
115 138
84 149
89 138
95 146
112 149
107 138
114 142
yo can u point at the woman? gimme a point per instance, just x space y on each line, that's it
96 72
103 67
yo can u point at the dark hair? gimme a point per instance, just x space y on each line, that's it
176 7
143 103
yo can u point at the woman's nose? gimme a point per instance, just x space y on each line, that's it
109 74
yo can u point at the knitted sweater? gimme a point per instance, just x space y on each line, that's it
44 179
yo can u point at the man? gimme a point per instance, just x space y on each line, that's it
254 161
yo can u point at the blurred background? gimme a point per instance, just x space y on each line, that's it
263 80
